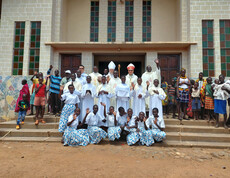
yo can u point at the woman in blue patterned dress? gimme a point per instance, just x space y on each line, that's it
145 135
96 134
156 126
113 130
72 136
133 136
71 103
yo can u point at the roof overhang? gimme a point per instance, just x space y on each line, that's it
116 46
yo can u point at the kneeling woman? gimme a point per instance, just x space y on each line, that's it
131 128
156 126
71 103
92 119
72 136
114 131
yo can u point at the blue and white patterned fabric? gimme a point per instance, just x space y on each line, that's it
66 112
96 134
73 137
133 137
114 133
146 137
158 135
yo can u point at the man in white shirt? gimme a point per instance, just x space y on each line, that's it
111 67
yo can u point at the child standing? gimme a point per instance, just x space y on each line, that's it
40 100
113 130
23 107
156 96
172 97
165 102
72 136
209 99
156 124
139 94
196 101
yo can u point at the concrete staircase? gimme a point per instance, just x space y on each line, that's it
188 134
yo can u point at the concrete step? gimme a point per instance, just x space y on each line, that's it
198 137
202 144
31 139
29 125
8 132
47 118
169 128
166 143
196 129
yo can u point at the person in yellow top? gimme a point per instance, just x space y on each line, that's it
35 82
202 83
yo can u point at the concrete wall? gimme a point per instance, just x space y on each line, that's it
25 10
205 10
76 20
165 21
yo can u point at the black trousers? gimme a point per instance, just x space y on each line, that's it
55 103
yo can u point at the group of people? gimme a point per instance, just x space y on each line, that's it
96 106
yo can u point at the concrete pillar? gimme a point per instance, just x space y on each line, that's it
87 61
120 23
103 20
26 57
137 36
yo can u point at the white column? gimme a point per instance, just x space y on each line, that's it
217 55
149 60
120 23
87 61
137 36
103 18
26 56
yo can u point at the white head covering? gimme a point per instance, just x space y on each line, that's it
111 65
131 66
68 72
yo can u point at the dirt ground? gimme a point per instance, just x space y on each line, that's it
110 160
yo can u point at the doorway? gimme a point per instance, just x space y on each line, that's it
170 65
70 62
102 61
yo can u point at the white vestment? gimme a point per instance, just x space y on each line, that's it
104 98
87 98
77 85
82 80
129 80
138 103
113 84
122 92
94 77
155 100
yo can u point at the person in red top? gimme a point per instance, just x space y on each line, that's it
40 99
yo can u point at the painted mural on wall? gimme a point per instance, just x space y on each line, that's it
9 92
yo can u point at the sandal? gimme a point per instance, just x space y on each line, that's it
42 121
36 122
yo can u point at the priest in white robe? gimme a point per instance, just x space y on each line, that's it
131 79
77 85
80 78
113 84
111 68
123 94
88 94
104 95
96 77
139 94
156 94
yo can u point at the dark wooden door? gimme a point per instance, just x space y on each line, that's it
70 62
170 65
